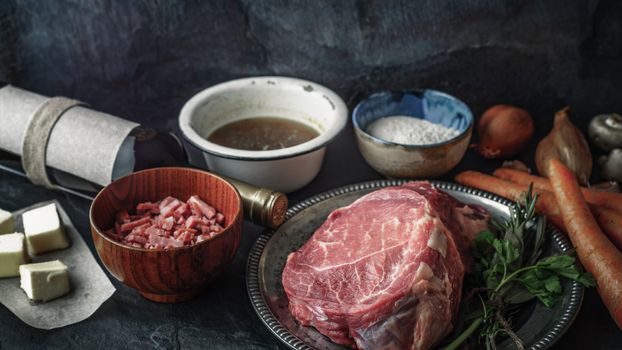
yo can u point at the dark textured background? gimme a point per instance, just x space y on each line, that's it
142 59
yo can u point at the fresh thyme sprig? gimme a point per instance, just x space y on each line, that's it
509 270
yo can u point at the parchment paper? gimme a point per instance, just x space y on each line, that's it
90 286
92 145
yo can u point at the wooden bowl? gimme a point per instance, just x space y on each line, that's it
175 274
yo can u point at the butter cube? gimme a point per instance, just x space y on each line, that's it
44 281
6 222
12 254
43 230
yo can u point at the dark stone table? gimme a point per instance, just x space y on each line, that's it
222 317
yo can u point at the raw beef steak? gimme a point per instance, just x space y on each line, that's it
386 271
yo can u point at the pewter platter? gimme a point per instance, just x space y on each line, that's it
537 326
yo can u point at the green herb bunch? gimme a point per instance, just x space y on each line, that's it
509 270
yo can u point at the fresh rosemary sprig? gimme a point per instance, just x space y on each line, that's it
508 270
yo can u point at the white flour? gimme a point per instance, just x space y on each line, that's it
410 131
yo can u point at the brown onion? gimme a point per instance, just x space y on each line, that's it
504 131
566 143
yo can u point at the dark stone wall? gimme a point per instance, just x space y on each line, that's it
143 59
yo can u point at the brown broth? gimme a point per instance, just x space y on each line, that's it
262 134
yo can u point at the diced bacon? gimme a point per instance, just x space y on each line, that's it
192 221
205 208
183 210
167 224
186 237
170 208
166 201
165 242
148 206
137 239
123 217
194 209
220 219
177 232
130 225
140 230
154 230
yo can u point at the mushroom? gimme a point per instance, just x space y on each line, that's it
605 130
612 165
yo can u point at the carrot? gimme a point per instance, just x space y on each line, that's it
604 199
515 192
491 184
610 220
599 256
523 178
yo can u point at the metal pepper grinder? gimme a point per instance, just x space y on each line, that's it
262 206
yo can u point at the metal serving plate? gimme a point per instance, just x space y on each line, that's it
538 326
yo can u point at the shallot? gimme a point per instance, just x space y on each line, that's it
504 131
566 143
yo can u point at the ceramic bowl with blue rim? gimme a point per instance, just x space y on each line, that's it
411 160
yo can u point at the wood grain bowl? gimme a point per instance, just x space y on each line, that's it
176 274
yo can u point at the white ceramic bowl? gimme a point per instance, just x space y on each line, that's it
286 169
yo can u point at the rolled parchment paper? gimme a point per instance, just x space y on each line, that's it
92 145
90 286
